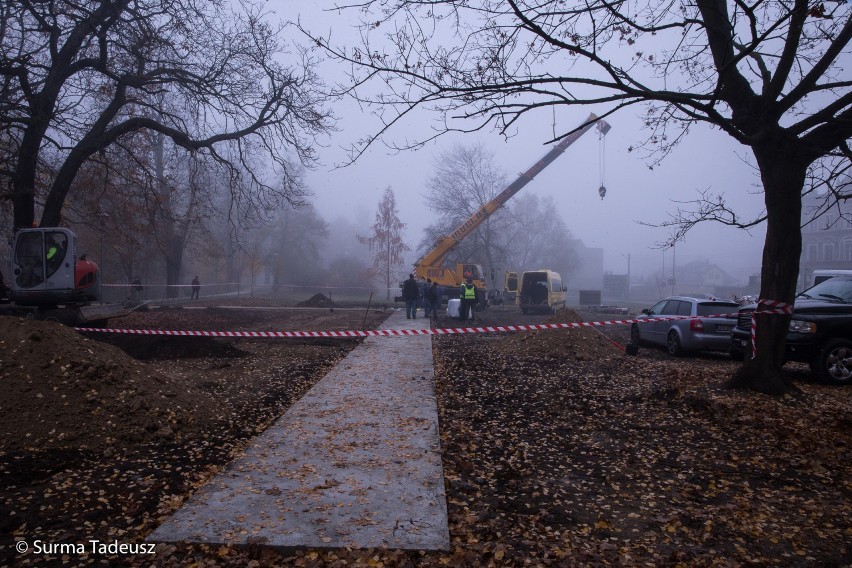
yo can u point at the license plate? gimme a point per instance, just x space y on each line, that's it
724 327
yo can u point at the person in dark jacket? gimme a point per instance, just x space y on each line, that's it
434 299
425 286
410 293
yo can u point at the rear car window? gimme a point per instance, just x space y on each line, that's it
713 308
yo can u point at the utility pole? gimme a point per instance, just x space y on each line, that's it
674 251
627 287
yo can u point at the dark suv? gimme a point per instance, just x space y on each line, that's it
820 331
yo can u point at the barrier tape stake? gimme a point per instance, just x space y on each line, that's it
775 308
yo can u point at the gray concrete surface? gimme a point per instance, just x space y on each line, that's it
355 463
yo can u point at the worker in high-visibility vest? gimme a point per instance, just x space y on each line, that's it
467 295
55 255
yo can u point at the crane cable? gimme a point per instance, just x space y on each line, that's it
602 162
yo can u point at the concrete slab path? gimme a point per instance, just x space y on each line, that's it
355 463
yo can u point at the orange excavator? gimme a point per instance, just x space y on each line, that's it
431 265
51 281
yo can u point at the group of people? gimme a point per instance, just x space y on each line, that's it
425 294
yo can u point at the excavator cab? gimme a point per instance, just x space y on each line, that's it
46 269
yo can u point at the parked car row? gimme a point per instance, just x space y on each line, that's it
820 331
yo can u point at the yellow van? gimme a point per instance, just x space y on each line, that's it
541 291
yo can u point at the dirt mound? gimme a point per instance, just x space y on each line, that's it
62 389
581 344
317 301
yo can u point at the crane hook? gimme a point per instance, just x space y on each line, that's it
603 128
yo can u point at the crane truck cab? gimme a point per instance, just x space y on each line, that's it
541 291
450 279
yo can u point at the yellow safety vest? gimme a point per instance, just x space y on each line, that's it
468 292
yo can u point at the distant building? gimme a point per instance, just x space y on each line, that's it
697 278
588 275
615 286
826 237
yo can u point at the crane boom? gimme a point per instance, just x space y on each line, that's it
431 262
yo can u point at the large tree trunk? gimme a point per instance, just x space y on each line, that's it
23 191
174 262
171 244
783 177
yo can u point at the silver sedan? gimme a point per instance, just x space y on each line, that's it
698 333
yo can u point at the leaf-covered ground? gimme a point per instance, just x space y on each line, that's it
558 450
627 461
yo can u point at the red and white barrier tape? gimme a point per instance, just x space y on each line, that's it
391 332
774 307
131 285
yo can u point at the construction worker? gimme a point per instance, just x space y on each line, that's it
410 292
425 285
55 254
467 295
434 299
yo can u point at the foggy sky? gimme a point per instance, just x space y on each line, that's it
707 160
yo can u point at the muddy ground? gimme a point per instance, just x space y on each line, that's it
558 449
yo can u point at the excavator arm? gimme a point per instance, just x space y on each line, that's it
435 257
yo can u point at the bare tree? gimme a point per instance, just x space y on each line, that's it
465 179
350 262
76 78
111 204
769 75
386 240
293 251
538 236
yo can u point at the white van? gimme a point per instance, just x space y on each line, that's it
823 275
541 291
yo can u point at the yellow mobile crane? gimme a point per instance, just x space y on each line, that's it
431 265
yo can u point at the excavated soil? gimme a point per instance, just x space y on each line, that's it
317 301
64 390
558 449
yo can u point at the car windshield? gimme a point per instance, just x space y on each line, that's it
837 289
716 308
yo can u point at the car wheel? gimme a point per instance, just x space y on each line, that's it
673 343
834 364
635 338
